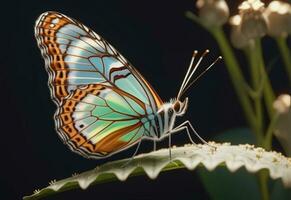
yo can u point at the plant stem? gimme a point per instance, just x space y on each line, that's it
286 55
270 130
269 95
258 72
259 76
257 81
235 74
263 180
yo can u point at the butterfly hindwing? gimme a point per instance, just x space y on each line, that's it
76 56
98 120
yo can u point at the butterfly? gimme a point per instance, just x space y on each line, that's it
104 105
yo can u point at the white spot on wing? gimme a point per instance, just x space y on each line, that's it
92 99
116 64
55 21
63 48
80 115
84 107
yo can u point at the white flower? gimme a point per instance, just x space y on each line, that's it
238 39
282 104
213 12
279 18
283 127
253 22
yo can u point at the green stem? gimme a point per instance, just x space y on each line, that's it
235 74
270 130
251 54
260 76
263 180
286 55
258 101
269 95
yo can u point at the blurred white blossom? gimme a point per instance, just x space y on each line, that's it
237 39
278 14
282 105
213 12
253 21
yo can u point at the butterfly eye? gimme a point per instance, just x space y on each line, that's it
177 106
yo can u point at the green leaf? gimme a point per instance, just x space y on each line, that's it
279 191
220 184
232 157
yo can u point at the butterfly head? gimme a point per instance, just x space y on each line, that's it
180 107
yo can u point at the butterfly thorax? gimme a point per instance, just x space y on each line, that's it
163 120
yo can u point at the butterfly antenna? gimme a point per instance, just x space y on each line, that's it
188 78
189 85
187 73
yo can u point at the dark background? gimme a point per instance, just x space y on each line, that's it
153 35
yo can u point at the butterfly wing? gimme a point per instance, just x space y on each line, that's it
88 78
98 120
77 56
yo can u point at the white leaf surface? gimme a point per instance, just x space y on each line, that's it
189 156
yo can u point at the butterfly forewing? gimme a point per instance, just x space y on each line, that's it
102 100
75 56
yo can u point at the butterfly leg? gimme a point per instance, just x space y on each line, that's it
182 127
155 145
135 152
187 124
179 128
170 145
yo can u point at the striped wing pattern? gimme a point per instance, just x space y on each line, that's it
80 61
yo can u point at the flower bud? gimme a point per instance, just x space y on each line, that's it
253 24
283 126
238 40
282 104
213 12
279 18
